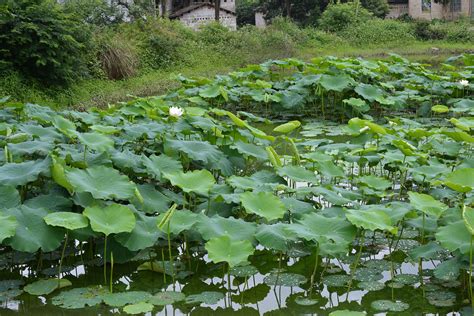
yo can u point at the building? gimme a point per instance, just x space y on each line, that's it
195 13
429 10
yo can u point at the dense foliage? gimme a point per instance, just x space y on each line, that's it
39 40
184 191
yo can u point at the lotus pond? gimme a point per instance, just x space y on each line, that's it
335 187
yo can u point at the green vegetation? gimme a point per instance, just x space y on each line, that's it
165 194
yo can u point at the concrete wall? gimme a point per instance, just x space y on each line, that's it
204 15
397 10
228 4
260 20
437 11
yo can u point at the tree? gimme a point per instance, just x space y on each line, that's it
217 5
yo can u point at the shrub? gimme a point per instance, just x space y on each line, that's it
378 8
379 31
424 30
118 58
41 41
338 16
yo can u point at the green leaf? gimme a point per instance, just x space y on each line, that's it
357 104
298 174
210 92
45 287
224 249
102 182
455 236
371 220
143 235
335 83
440 108
369 92
58 172
468 217
8 226
287 127
329 169
264 204
32 233
65 126
139 308
199 181
112 219
206 297
15 174
166 298
427 204
346 312
157 165
180 221
375 182
68 220
275 237
218 226
250 150
124 298
461 180
96 141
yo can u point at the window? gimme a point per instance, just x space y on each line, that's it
426 5
455 5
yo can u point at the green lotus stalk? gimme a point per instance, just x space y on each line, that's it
111 271
105 260
470 273
62 257
166 221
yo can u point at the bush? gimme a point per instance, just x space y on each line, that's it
118 58
379 31
423 30
455 31
338 16
42 42
378 8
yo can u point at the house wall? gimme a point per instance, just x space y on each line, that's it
204 15
438 11
397 10
228 4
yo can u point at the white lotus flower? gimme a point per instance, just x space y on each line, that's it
176 111
363 129
464 83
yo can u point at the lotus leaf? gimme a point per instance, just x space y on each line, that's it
45 287
112 219
199 181
427 204
68 220
264 204
224 249
138 308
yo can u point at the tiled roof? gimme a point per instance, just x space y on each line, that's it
195 6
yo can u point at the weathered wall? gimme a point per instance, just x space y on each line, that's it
438 11
203 15
397 10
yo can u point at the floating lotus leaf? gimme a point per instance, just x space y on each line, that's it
461 180
441 298
124 298
243 271
306 301
102 182
329 169
389 306
15 174
139 308
252 295
285 279
112 219
32 233
79 297
427 204
206 297
346 312
371 285
264 204
166 298
337 280
407 279
367 275
8 227
68 220
225 249
45 287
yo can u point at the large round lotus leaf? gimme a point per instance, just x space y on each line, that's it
439 108
79 297
357 104
180 221
124 298
65 126
297 173
199 181
375 182
15 174
196 150
32 233
9 197
143 235
441 298
468 217
232 251
96 141
243 271
448 270
166 298
210 227
329 169
102 182
335 83
389 306
112 219
371 285
306 301
139 308
8 227
346 312
276 236
67 220
264 204
206 297
285 279
157 165
371 220
337 280
250 150
252 295
315 227
153 200
427 204
461 180
407 279
455 236
45 287
367 275
368 92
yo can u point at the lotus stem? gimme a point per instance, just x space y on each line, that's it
169 252
61 260
356 263
111 270
105 260
316 262
470 273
